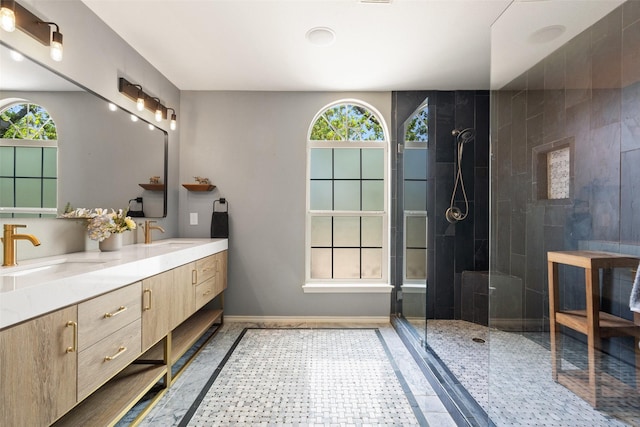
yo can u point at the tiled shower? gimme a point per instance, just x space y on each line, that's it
562 170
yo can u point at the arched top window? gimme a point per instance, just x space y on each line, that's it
347 122
416 128
29 170
347 233
27 121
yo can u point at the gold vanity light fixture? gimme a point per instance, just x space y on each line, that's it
13 16
174 119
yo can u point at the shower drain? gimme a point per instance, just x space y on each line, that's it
480 340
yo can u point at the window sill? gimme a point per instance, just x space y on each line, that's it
347 288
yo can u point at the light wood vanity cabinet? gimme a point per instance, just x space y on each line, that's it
108 336
38 368
75 365
184 304
157 300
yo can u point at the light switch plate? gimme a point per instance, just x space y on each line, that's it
193 218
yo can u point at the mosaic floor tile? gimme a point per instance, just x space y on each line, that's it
509 375
307 377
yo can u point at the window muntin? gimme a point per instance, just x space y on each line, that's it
347 236
28 161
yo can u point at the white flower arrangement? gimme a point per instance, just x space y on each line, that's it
102 222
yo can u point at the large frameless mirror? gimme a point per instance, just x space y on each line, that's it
62 146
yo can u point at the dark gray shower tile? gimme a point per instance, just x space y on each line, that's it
519 266
534 138
578 122
629 196
606 46
504 108
457 296
630 12
605 107
534 307
578 69
503 236
502 153
518 231
481 309
481 213
481 255
465 109
519 134
630 129
445 123
444 269
482 131
554 70
535 94
554 115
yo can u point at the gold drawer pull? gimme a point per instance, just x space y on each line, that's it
121 350
194 277
148 307
75 336
207 293
120 310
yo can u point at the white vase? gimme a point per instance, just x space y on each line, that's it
111 243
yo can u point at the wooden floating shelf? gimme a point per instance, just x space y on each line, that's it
152 187
199 187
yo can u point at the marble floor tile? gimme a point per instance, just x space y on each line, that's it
327 383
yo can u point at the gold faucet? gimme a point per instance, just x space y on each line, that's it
9 243
147 230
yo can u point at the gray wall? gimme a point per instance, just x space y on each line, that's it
94 57
252 145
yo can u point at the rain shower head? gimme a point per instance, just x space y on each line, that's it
464 135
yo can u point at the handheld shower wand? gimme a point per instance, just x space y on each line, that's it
454 214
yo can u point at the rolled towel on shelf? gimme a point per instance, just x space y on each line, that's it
634 300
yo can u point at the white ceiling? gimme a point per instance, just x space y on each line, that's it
402 45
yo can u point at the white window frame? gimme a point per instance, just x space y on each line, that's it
381 285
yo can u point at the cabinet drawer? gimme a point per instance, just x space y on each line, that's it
103 315
206 268
205 292
106 358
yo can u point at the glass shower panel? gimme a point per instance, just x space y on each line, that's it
579 99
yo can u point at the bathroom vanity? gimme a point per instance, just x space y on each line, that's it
84 336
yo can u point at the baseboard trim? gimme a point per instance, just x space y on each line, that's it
307 319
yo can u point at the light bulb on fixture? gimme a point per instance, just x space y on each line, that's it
56 45
158 113
112 106
173 124
8 16
140 98
134 118
151 127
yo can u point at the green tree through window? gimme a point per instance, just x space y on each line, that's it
347 122
27 121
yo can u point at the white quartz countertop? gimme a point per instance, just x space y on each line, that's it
39 286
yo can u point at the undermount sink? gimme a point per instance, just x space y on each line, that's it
173 243
21 276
